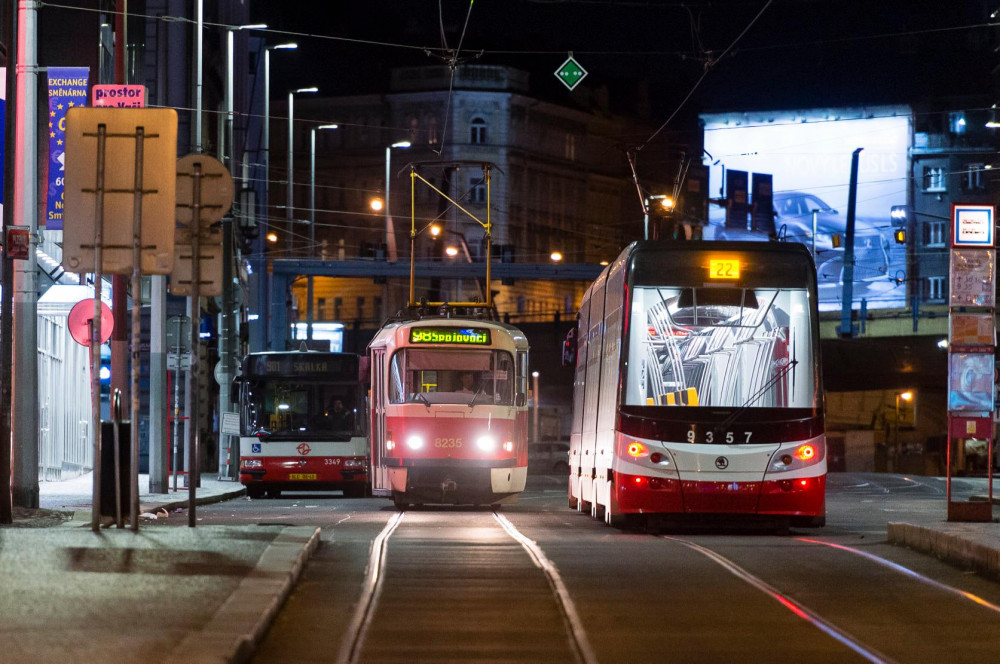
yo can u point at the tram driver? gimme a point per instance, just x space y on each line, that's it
467 383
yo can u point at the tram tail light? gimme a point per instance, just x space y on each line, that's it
805 452
635 449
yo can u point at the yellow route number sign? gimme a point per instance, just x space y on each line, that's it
724 268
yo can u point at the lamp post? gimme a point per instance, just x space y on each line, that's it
226 327
312 222
289 195
905 396
390 235
259 337
390 239
534 405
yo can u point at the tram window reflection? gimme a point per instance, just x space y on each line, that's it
439 376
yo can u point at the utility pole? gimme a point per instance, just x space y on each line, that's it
25 379
846 327
6 331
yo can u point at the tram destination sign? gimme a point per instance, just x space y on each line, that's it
455 336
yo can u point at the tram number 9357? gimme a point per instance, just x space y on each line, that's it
729 438
447 442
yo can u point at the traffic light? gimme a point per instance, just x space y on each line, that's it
900 235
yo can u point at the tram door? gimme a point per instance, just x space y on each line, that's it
380 473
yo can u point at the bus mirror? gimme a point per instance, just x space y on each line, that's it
234 391
521 400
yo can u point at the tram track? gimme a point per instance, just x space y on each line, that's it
375 585
794 606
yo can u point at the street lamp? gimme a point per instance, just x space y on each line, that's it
390 236
312 222
227 327
534 404
289 195
905 396
259 337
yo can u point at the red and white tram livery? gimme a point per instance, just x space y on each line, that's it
697 387
449 411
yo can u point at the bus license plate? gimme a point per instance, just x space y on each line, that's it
302 476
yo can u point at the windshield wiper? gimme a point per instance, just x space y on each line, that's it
263 434
423 397
724 424
481 390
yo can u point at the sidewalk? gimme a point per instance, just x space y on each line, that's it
163 594
969 545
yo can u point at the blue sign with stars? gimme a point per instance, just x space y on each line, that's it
67 88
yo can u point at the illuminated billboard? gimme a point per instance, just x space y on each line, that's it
808 155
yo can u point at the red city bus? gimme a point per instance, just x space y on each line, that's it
449 416
302 423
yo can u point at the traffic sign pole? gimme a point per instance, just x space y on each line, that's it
95 332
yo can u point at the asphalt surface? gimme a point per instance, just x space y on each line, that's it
210 593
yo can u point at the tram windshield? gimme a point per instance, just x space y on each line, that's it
432 376
287 408
720 347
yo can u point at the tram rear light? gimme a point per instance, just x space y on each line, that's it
805 452
414 442
655 483
508 446
635 449
486 443
655 457
638 480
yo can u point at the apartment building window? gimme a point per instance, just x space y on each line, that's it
338 304
477 191
972 178
477 131
935 234
361 307
934 289
934 179
321 308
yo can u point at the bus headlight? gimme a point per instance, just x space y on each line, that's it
486 443
252 463
414 442
354 463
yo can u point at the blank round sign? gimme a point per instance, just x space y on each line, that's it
79 321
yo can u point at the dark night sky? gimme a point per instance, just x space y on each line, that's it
799 53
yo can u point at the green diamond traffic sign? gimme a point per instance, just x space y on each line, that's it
570 73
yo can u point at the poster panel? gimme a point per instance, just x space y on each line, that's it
67 89
970 382
808 153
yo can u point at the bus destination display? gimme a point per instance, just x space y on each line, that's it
458 336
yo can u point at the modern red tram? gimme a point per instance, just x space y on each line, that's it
697 387
449 417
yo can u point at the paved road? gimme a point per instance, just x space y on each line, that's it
538 582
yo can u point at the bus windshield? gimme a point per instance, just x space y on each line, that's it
432 376
286 408
724 347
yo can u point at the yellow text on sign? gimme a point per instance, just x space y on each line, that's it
724 268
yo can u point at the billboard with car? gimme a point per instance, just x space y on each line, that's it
807 153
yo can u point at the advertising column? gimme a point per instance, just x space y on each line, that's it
971 347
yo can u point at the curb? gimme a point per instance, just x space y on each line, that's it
232 634
984 499
82 517
950 547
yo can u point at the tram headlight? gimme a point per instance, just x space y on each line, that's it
486 443
415 442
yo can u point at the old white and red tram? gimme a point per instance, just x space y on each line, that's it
697 387
449 416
